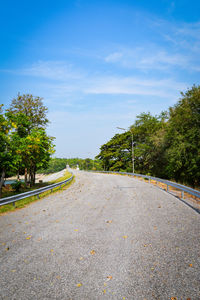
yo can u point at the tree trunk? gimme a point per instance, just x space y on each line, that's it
18 175
3 173
25 176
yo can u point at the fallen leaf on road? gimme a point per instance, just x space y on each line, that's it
13 271
3 244
75 229
190 265
173 298
109 221
28 237
92 252
109 278
51 250
125 236
79 284
105 284
81 258
7 248
104 291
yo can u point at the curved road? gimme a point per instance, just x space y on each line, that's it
105 237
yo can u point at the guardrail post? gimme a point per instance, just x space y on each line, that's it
14 204
167 188
149 180
38 196
182 194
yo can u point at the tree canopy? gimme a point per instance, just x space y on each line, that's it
24 143
166 146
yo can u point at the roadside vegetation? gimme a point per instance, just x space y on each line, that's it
165 146
24 144
22 203
58 164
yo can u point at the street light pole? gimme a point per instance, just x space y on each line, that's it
132 146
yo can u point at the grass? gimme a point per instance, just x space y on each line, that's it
24 202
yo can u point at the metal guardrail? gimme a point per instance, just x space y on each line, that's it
168 183
37 192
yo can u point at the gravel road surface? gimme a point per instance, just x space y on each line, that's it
105 237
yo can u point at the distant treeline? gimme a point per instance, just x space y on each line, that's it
58 164
166 146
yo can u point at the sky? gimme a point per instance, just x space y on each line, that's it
98 64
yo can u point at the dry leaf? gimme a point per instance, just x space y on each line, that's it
28 237
173 298
109 278
92 252
79 284
105 284
190 265
110 221
81 258
104 291
51 250
75 229
13 271
125 236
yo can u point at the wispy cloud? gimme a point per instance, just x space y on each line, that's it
56 70
134 86
151 58
70 84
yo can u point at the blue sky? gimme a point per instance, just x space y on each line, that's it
98 64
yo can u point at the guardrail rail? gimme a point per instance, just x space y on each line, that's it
182 188
37 192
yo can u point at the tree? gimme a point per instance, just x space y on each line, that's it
183 138
115 155
32 107
7 157
27 114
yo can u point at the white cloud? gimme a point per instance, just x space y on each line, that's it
56 70
134 86
151 58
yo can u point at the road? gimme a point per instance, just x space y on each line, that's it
105 237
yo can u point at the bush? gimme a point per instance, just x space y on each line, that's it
16 186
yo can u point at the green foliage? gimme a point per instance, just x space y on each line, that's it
58 164
166 146
24 144
16 186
